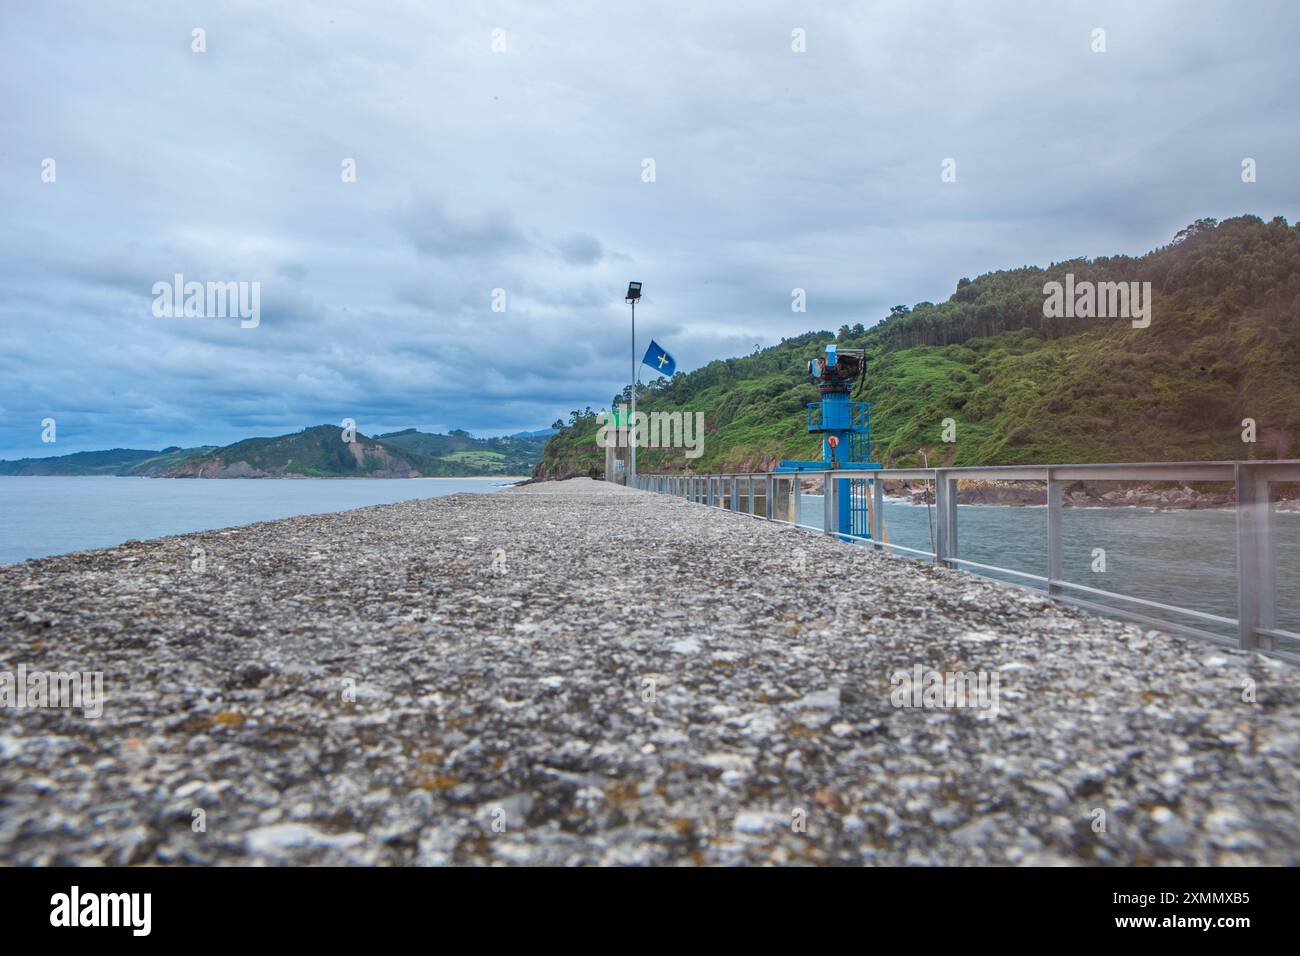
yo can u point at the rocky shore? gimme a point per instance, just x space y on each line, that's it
1079 494
575 673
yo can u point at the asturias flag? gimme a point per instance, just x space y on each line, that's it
659 360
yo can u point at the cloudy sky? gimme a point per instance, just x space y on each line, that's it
524 169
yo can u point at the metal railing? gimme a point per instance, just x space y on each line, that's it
769 495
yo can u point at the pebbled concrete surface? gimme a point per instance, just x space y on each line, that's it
574 673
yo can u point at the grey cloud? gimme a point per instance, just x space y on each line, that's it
522 171
484 235
580 249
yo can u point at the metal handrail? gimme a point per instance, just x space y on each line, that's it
1256 620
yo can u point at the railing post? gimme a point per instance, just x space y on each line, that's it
1055 554
877 512
951 500
750 502
769 490
941 517
1256 556
945 508
735 493
1268 561
830 513
796 496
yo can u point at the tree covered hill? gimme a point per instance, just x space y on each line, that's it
317 452
507 455
1223 345
110 462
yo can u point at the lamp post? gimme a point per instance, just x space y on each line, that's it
633 293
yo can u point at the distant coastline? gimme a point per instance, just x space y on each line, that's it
503 478
322 451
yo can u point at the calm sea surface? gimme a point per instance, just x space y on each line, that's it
40 516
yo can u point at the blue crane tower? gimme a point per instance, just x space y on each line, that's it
845 427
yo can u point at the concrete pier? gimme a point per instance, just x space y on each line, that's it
576 672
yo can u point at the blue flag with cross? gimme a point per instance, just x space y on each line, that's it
659 360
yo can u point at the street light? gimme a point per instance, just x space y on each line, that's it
633 293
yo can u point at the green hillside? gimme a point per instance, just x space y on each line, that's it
320 452
1223 345
82 463
158 462
509 455
317 452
